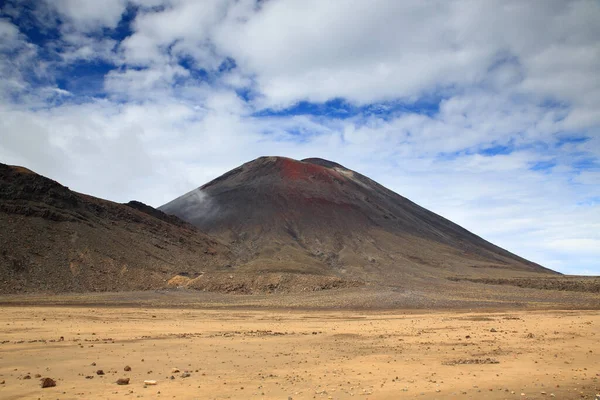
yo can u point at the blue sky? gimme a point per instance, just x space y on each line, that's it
484 112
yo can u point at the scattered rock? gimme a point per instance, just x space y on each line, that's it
493 330
186 375
37 376
48 382
472 361
175 370
27 377
530 335
127 368
99 372
93 364
123 381
89 377
150 382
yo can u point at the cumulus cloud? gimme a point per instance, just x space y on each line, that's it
371 51
484 112
88 15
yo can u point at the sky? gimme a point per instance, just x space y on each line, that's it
486 112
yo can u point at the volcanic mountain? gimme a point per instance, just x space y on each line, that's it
272 225
55 240
317 217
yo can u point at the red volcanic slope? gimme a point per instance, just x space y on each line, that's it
315 215
294 170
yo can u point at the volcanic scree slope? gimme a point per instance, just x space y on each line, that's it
316 216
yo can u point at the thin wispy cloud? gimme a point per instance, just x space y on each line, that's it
484 112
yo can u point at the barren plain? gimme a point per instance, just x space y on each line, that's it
297 354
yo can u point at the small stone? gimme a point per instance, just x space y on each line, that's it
172 377
99 372
48 382
123 381
89 377
127 368
27 377
186 375
37 376
150 382
493 330
2 382
174 370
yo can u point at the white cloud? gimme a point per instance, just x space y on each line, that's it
20 60
184 28
370 51
146 83
89 15
8 34
77 47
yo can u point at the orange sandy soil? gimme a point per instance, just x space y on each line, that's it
298 354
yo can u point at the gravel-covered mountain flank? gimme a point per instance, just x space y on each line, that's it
317 217
56 240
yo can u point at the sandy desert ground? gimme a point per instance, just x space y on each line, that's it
261 354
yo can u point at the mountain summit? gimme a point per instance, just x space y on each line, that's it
316 216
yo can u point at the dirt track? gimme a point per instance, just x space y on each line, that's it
298 354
